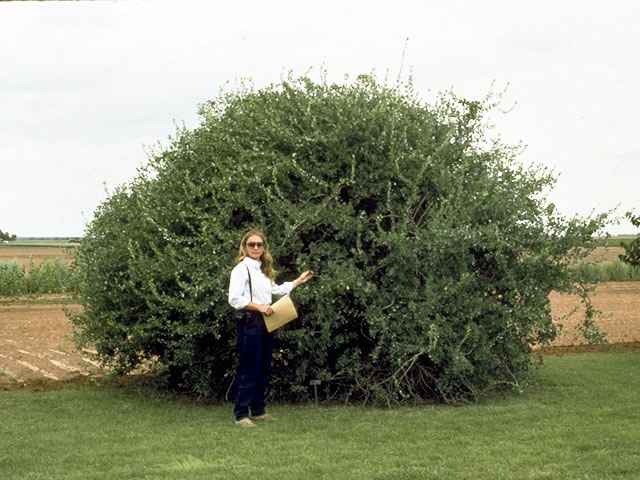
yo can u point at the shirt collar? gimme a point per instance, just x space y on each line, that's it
251 263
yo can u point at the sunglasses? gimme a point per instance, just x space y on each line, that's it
255 244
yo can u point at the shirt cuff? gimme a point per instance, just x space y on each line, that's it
239 303
288 286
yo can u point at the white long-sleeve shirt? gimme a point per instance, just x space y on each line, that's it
261 286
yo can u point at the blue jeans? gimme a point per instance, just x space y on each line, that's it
255 349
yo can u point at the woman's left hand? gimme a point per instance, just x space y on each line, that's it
304 277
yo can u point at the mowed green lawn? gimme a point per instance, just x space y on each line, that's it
582 421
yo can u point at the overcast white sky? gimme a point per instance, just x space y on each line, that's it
85 86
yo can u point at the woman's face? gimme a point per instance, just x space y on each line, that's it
255 247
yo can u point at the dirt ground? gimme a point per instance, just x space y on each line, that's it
35 343
606 254
36 348
619 303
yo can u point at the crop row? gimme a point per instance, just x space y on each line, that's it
51 276
609 271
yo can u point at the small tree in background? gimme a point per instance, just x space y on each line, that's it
7 236
632 250
434 250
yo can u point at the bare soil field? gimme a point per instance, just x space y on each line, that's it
35 344
605 254
36 348
619 303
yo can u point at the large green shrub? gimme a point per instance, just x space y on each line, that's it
434 250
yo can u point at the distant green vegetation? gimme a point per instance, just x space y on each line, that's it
43 242
51 276
615 241
608 271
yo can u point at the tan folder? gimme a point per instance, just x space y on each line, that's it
283 312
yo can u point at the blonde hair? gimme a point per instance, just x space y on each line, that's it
265 258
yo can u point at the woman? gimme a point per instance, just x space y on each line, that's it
251 288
